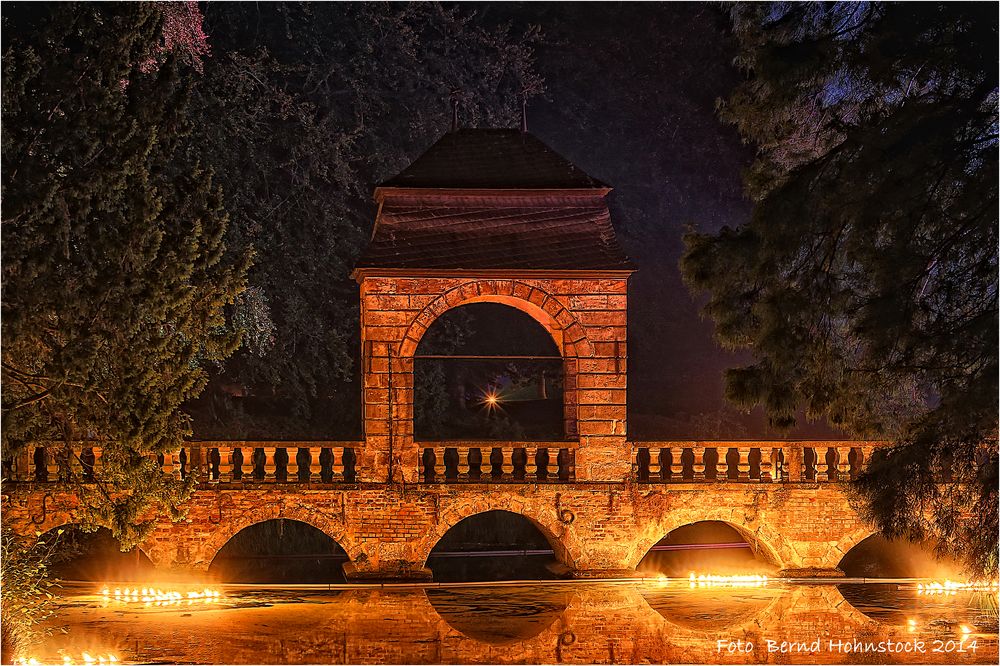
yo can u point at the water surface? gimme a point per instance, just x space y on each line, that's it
559 622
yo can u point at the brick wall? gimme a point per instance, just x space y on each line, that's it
585 316
388 531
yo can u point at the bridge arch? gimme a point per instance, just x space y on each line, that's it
766 541
97 554
539 304
563 543
230 526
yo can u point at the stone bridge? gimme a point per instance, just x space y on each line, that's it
488 216
788 500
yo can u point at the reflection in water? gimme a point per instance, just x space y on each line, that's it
577 622
711 609
904 605
518 613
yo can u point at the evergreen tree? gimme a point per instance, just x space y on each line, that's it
114 277
865 283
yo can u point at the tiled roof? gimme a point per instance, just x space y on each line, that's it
540 232
493 199
492 159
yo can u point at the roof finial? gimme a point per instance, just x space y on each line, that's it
524 114
455 101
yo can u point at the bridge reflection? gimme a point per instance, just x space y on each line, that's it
548 623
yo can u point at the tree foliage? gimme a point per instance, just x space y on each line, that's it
25 589
302 111
114 275
865 283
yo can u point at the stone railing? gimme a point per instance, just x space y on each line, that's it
750 462
497 462
211 462
215 463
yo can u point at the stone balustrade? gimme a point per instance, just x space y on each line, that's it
213 463
750 462
216 463
497 462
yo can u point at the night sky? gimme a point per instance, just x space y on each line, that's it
647 126
630 97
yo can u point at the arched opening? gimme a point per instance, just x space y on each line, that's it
708 547
94 556
525 612
488 371
878 557
279 551
495 545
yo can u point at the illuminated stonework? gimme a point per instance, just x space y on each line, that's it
532 233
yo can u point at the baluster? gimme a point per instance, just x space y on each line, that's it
462 465
822 469
51 465
642 464
722 464
507 464
315 459
843 464
698 466
654 465
238 459
496 464
337 465
743 466
270 466
427 461
676 464
767 459
224 473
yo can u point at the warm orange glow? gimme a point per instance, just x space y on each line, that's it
950 587
68 660
492 400
154 596
710 580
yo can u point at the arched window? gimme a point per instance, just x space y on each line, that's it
487 371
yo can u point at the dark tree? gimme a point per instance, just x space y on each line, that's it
302 111
114 282
865 283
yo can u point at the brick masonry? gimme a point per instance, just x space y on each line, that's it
586 317
600 525
388 531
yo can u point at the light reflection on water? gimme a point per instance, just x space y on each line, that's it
538 623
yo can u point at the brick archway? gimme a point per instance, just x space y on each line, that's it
232 526
534 301
764 539
562 541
